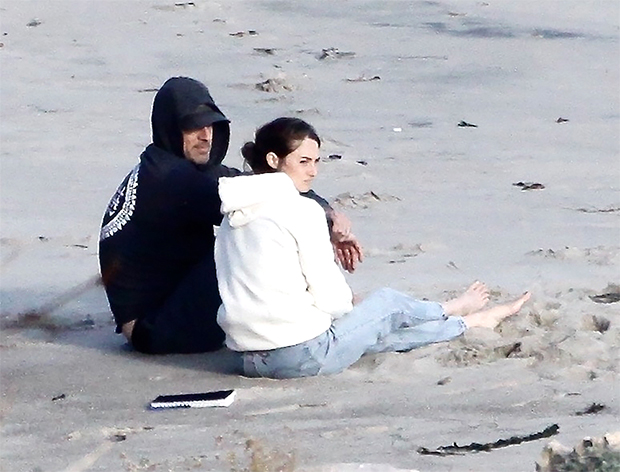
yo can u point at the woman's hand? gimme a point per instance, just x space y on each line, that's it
348 252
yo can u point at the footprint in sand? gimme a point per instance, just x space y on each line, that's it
334 53
609 209
265 51
365 200
600 255
397 254
275 85
596 323
364 78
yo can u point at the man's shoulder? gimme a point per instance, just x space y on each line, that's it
221 170
175 172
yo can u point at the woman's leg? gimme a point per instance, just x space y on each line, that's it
418 327
491 317
387 320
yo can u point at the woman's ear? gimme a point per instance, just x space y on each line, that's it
272 160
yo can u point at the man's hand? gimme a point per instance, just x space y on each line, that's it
349 253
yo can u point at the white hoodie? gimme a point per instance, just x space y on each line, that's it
276 272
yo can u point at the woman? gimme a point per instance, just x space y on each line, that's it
286 306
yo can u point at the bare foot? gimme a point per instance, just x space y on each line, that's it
493 316
474 298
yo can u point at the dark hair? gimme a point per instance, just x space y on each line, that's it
280 136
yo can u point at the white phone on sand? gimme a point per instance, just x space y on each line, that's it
217 398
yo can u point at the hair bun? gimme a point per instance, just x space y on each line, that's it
248 151
280 137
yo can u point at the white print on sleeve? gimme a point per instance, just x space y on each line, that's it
127 194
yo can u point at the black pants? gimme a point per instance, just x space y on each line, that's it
186 322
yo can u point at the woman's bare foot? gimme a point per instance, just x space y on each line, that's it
127 329
493 316
474 298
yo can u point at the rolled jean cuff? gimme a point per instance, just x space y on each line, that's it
461 322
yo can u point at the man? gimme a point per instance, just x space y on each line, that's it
157 240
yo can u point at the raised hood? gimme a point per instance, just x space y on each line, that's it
178 98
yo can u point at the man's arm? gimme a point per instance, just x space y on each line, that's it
347 248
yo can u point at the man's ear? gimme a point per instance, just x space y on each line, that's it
272 160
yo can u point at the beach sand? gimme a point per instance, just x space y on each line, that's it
527 199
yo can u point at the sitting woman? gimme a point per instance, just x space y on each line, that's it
286 305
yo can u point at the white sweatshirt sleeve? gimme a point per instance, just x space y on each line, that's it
326 282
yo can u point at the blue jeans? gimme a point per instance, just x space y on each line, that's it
386 321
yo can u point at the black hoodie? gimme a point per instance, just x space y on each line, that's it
159 223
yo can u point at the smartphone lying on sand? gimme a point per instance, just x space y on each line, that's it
195 400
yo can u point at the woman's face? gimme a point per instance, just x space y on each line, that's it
301 165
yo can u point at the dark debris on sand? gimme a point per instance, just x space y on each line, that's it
611 297
529 185
455 449
593 409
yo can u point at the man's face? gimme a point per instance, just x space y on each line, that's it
197 144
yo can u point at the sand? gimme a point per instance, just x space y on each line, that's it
435 204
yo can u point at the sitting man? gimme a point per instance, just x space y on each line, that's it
157 240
